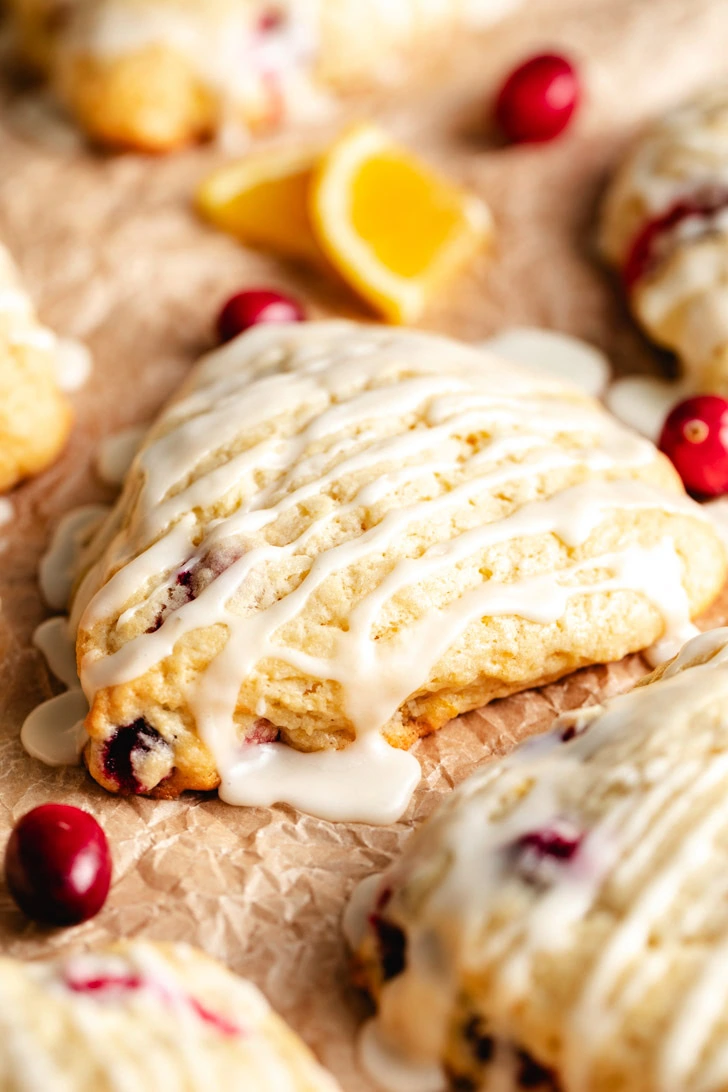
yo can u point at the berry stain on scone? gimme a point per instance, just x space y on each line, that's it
144 1016
562 921
337 538
665 227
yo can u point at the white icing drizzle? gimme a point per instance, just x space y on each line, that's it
58 565
645 782
54 639
393 1071
54 732
341 370
357 911
152 1017
644 401
74 364
116 452
568 358
7 512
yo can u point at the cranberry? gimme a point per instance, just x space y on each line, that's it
126 751
695 438
392 946
645 249
58 865
253 306
538 99
561 840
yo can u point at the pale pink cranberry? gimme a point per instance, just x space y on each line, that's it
253 306
538 99
58 865
695 438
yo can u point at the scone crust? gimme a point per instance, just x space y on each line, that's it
35 415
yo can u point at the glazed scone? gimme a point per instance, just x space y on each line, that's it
338 530
144 1016
665 227
155 74
563 916
35 415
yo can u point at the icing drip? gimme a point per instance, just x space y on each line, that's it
58 565
73 364
643 778
116 453
7 512
568 358
337 374
54 639
54 732
644 401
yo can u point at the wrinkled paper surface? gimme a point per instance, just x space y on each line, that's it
113 254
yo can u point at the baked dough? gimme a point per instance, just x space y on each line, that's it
338 530
155 74
35 416
665 226
144 1016
565 912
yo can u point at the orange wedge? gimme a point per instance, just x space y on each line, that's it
394 229
263 201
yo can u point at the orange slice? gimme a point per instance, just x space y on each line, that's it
263 201
392 227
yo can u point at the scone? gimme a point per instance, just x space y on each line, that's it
146 1017
665 227
563 918
338 531
35 416
155 74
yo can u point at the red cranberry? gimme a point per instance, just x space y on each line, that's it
253 306
58 865
695 438
538 99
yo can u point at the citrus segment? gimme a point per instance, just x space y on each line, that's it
263 201
392 227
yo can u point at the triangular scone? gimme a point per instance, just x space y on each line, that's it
148 1017
665 227
155 74
564 915
338 530
35 416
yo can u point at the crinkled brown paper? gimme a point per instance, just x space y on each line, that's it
113 254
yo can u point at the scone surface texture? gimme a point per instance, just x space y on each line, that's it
144 1016
565 911
337 530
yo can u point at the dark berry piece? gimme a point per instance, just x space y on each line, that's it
125 754
392 946
58 865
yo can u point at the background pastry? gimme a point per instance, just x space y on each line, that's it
338 531
154 74
144 1016
35 416
563 915
665 227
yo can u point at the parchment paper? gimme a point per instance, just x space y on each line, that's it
113 254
